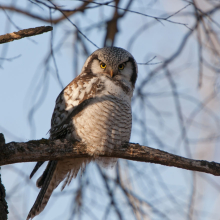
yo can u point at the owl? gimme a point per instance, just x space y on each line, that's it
95 108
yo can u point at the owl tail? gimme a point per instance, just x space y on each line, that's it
55 172
47 183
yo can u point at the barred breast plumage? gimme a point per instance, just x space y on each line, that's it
106 124
94 108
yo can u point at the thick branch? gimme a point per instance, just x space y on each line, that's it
24 33
42 150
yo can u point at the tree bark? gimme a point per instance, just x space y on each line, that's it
43 150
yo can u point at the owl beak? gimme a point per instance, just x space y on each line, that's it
111 73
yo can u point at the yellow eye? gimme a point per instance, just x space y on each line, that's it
121 66
103 65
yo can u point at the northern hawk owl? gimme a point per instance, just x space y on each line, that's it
95 108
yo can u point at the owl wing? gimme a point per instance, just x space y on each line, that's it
71 101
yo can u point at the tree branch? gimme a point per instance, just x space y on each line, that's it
42 150
24 33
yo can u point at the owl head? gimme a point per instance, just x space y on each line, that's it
114 62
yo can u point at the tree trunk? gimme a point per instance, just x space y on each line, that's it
3 203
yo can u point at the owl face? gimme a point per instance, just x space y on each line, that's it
113 62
